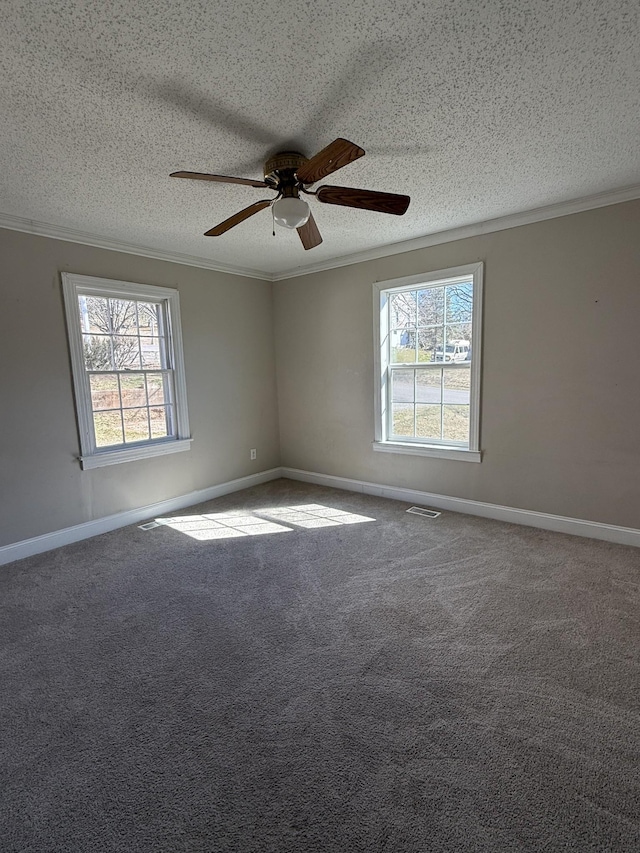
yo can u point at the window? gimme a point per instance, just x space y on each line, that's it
128 373
427 332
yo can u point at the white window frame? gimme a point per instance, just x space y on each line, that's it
381 291
74 286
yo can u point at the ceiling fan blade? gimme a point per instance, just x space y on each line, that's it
223 179
339 153
238 217
309 233
365 199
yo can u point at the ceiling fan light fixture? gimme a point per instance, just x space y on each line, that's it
291 212
288 173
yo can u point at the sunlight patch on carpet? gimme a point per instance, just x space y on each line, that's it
228 525
315 515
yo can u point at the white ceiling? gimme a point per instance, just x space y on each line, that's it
475 109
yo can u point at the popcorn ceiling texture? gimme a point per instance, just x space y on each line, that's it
475 109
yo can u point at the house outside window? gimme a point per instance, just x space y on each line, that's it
427 331
126 355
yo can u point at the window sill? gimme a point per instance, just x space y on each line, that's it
129 454
444 452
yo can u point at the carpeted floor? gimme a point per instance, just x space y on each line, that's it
308 680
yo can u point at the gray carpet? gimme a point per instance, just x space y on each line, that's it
397 684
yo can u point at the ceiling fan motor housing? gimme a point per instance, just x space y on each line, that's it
283 165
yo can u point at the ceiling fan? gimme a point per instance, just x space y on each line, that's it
289 173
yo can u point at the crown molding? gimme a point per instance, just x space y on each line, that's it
475 229
57 232
488 226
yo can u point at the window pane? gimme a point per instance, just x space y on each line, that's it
150 349
133 390
457 385
94 314
459 303
123 316
402 390
126 368
456 349
105 393
159 421
156 388
456 423
126 352
431 307
426 357
148 318
403 310
97 352
108 427
428 421
136 425
459 331
429 342
402 419
429 386
403 346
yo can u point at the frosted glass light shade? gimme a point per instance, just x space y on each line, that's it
291 212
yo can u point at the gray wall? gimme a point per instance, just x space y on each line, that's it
227 326
560 421
560 402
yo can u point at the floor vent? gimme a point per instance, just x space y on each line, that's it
149 525
419 510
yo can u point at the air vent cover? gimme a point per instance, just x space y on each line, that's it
420 510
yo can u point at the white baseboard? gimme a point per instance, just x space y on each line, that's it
48 541
546 521
543 520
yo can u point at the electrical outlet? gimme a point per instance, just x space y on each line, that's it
252 454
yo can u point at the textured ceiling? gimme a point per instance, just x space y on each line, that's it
475 109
